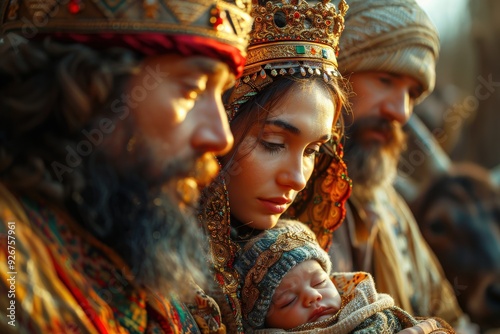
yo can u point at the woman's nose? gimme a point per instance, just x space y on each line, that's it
292 176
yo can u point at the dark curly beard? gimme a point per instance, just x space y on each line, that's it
162 245
373 164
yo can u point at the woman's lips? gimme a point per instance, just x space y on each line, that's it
275 205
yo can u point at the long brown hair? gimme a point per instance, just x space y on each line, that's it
49 93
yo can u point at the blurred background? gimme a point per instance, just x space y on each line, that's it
450 173
467 95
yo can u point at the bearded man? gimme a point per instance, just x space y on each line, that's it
389 53
110 113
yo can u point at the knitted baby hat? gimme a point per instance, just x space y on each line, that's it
393 36
265 260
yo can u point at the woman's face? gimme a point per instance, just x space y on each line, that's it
273 163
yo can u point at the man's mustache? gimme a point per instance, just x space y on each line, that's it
389 128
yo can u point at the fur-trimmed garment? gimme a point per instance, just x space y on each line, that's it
363 311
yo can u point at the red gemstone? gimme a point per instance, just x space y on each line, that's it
217 18
296 15
218 22
328 22
74 7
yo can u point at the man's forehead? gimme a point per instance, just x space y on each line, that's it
203 66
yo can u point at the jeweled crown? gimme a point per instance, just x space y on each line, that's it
295 30
227 21
289 37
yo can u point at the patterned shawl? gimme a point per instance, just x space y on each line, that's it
65 281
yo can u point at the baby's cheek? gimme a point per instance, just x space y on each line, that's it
272 311
337 301
269 318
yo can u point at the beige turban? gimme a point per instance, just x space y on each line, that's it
393 36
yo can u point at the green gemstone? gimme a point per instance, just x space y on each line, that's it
300 49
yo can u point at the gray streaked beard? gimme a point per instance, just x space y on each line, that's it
373 165
162 246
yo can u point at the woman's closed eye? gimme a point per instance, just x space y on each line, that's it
272 147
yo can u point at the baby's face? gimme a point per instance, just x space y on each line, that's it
306 294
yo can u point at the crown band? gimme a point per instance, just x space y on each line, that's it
289 38
290 51
226 22
295 31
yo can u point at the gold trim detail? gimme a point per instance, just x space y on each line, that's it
186 11
297 21
289 37
188 17
288 51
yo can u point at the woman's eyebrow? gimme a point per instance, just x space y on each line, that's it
292 129
284 125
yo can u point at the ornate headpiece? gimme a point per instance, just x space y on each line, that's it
288 37
295 30
225 21
395 36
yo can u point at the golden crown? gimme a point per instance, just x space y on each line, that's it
294 30
226 21
289 37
